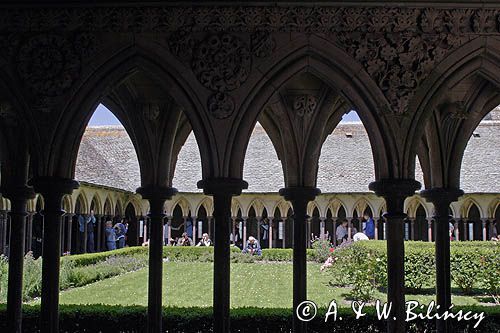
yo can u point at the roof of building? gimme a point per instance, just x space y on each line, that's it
107 157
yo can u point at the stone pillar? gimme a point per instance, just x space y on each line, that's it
441 199
156 195
283 240
70 232
193 223
483 224
18 196
258 228
308 238
209 221
375 222
52 189
270 233
412 226
349 228
395 191
299 197
456 230
233 229
322 228
29 232
222 190
98 232
169 228
244 230
429 229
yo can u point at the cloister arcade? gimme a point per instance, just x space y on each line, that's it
421 76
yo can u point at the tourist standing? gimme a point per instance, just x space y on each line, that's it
369 227
90 231
341 232
121 230
110 236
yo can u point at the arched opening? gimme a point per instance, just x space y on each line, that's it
474 224
37 228
420 224
314 231
78 226
132 236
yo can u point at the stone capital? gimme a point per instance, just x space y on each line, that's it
21 192
394 188
222 186
299 193
150 192
438 195
53 186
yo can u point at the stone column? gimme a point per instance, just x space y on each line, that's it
18 196
209 221
98 232
258 228
70 232
244 230
412 230
457 232
349 228
270 233
193 223
395 191
483 224
29 232
52 189
375 222
299 197
322 228
441 199
169 228
222 190
283 240
429 229
156 195
233 229
309 229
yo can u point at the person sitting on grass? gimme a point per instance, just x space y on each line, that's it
252 247
110 236
204 241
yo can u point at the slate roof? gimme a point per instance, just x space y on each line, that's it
107 157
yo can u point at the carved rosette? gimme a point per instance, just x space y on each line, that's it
304 105
220 105
48 64
222 62
181 44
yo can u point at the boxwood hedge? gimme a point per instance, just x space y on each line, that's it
101 318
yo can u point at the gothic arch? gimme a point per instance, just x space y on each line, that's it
283 206
96 201
311 206
67 204
207 204
107 210
494 205
361 205
335 68
157 65
334 206
466 206
184 205
412 206
81 200
258 207
480 57
118 210
235 207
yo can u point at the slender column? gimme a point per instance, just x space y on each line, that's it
299 197
375 222
18 196
244 230
308 234
156 195
233 224
283 232
270 234
209 221
322 228
429 229
99 232
395 191
349 228
412 228
483 224
441 199
169 228
457 232
70 232
258 228
53 189
63 226
29 232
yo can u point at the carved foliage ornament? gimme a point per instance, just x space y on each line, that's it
304 105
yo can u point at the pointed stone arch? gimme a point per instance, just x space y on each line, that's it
360 206
283 206
107 208
81 203
67 204
207 204
97 204
493 206
184 205
412 206
235 207
466 206
258 207
334 205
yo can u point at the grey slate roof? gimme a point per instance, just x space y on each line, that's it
107 157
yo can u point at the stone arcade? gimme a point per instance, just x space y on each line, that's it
420 75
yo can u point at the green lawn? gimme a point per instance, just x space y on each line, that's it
191 284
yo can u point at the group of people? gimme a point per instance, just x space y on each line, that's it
342 231
115 234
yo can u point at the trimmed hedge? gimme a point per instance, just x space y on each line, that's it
103 318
